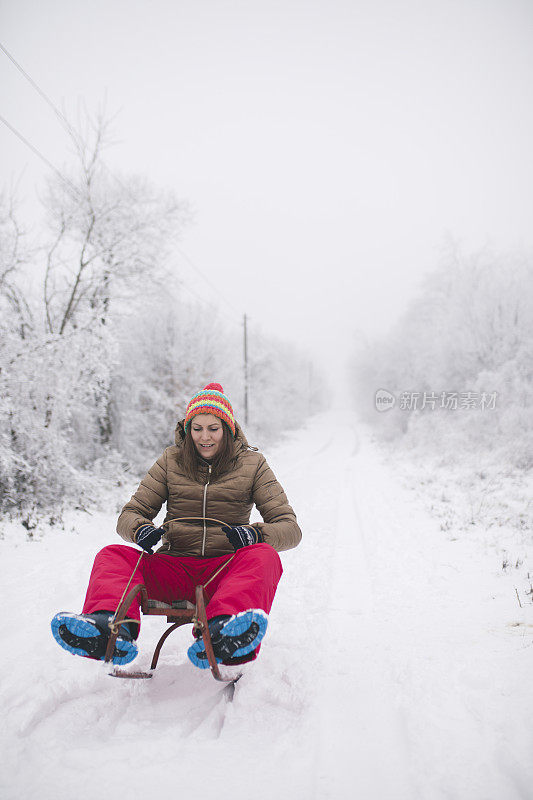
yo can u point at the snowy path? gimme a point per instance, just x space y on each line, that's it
391 668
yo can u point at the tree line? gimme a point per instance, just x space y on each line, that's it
458 364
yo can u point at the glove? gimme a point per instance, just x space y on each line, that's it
147 535
242 535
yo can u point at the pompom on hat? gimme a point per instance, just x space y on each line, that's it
211 400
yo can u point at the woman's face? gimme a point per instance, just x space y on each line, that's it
207 434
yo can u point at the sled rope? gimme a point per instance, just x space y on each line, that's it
220 568
112 627
206 519
194 519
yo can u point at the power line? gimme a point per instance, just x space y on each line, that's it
64 121
208 281
38 153
59 114
202 300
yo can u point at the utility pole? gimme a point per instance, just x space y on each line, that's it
245 371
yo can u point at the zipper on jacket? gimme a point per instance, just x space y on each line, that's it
204 510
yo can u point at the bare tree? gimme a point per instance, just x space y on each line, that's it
108 236
108 240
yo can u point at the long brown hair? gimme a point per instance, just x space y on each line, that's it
223 462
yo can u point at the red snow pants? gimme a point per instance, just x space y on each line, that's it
249 580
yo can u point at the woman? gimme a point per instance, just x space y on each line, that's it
211 473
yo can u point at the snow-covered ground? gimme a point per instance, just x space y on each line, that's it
397 663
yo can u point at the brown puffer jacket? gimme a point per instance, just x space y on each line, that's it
229 498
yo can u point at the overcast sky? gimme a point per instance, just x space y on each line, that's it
327 147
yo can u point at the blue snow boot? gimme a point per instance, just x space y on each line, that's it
231 636
88 635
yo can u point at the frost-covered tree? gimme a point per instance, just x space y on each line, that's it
15 254
156 374
470 330
108 237
284 386
108 240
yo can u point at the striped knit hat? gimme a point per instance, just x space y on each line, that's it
211 400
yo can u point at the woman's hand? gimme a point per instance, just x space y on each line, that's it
146 536
242 535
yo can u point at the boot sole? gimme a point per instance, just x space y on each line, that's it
236 626
84 628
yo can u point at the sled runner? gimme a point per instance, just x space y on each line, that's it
180 612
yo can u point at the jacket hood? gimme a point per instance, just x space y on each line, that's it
240 441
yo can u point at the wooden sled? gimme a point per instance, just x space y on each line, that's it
178 613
